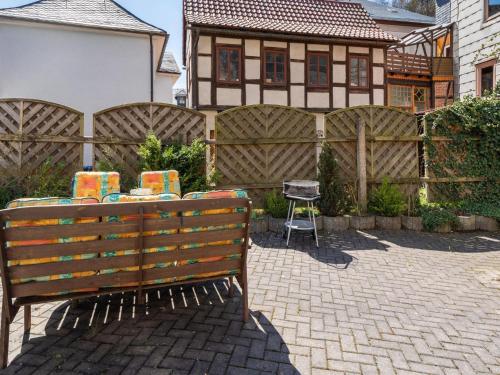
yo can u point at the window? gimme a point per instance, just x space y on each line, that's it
409 98
491 8
275 67
229 64
485 77
358 72
318 72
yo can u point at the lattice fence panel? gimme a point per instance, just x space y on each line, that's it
119 131
260 146
391 144
33 131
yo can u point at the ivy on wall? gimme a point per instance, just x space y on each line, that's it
473 150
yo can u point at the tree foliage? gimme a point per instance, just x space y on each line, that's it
425 7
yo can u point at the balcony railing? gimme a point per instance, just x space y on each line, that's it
416 64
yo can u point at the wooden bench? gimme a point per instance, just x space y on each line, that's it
199 240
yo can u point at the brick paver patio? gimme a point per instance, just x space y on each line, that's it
370 303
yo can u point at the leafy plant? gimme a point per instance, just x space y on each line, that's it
386 200
488 209
434 216
276 205
334 197
188 160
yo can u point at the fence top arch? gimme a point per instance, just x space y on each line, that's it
43 102
371 106
154 104
265 123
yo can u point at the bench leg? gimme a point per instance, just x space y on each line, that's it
27 318
231 287
244 288
4 332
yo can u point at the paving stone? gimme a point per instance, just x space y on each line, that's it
364 303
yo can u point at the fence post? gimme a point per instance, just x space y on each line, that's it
361 164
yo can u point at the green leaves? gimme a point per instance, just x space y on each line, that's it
276 205
334 197
386 200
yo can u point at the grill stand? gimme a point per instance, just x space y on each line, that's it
300 225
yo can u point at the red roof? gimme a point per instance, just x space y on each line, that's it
328 18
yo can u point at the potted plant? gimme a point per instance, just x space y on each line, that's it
438 219
387 203
277 207
412 220
334 201
259 221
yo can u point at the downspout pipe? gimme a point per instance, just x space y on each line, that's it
151 63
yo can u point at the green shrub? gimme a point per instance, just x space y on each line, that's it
489 209
334 197
386 200
433 216
188 160
276 205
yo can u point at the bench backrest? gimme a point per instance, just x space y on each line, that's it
226 234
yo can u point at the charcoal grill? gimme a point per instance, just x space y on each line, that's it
301 191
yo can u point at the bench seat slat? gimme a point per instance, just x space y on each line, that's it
101 281
56 268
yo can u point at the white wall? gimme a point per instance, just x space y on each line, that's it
82 68
472 35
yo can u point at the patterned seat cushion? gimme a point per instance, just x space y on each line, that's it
161 182
30 202
95 184
213 195
123 198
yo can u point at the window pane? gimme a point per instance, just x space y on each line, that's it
486 79
269 72
313 69
223 64
235 65
400 96
420 98
493 7
354 72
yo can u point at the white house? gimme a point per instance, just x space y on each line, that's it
86 54
476 47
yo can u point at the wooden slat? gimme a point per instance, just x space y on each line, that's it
107 228
98 281
114 209
103 263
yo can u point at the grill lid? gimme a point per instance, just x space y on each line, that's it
301 188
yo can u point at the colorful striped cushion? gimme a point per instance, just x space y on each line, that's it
161 182
95 184
212 195
123 198
30 202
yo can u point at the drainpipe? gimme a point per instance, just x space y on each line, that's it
151 67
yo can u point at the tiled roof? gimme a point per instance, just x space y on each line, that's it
168 64
388 13
104 14
328 18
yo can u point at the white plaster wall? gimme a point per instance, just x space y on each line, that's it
339 53
252 94
297 72
204 66
252 69
318 47
228 96
398 31
355 49
252 47
475 39
279 97
339 74
205 44
378 75
297 51
378 97
82 68
221 40
273 44
378 56
204 93
297 96
339 97
318 99
359 99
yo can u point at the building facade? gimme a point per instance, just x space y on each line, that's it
476 43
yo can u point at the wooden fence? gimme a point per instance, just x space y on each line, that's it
33 131
119 131
259 146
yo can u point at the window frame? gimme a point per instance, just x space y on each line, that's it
412 106
319 86
368 76
263 63
479 67
230 47
486 12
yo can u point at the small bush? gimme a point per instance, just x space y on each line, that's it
276 205
433 216
188 160
386 200
334 197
